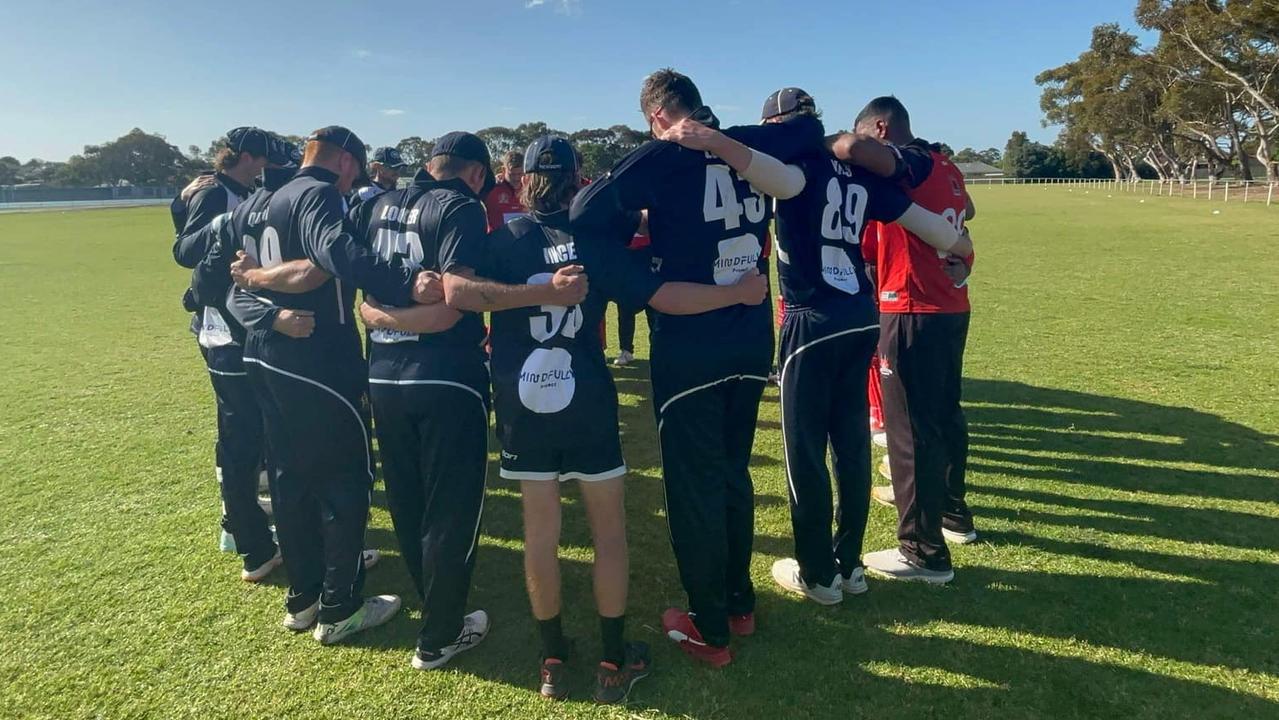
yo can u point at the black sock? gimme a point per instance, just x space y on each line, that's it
612 630
553 645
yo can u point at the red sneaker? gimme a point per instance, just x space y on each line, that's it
742 625
678 626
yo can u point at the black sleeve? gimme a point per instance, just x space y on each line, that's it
785 141
327 242
462 232
609 207
611 268
492 251
250 311
886 201
178 213
191 245
211 279
916 164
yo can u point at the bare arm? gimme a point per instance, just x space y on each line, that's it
422 319
765 172
294 276
682 298
864 151
464 290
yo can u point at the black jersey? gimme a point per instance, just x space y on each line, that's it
435 226
819 234
548 363
192 245
707 224
306 219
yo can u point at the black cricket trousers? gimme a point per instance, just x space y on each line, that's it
433 442
824 403
922 368
239 453
706 431
313 395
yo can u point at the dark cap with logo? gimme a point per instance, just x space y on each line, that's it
282 153
343 138
390 157
786 101
550 154
249 139
467 146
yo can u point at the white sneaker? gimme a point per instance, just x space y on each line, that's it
885 471
892 565
623 359
226 542
884 495
370 557
261 571
375 611
880 438
303 619
786 573
959 538
264 483
264 502
475 627
855 582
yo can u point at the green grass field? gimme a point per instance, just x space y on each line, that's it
1124 409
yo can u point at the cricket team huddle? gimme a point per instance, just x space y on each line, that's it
873 256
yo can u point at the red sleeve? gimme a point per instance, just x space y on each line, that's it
870 241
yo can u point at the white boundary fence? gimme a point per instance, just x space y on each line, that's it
1227 191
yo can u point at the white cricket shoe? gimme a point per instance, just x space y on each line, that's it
959 538
786 574
624 358
475 627
370 557
884 495
303 619
258 573
892 565
854 583
375 611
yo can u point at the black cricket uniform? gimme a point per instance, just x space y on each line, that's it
554 395
240 429
828 337
430 396
707 226
313 393
238 451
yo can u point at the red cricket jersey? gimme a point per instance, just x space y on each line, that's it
910 272
502 205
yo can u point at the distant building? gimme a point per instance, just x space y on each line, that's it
979 170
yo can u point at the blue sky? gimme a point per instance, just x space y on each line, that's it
86 72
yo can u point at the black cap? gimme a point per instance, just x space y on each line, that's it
249 139
550 154
282 153
468 147
786 100
343 138
389 157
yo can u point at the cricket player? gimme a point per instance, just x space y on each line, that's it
924 312
502 203
828 337
707 225
384 174
313 392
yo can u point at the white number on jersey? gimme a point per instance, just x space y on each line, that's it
844 213
389 243
720 201
268 252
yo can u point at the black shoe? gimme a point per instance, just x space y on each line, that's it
554 682
613 684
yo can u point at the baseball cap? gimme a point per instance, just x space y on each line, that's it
468 147
389 157
282 153
249 139
343 138
550 154
786 100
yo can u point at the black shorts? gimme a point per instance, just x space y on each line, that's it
592 461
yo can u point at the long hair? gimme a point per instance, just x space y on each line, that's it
548 192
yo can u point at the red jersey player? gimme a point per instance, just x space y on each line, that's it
502 204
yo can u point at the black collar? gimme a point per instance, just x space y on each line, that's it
557 220
319 173
424 181
234 186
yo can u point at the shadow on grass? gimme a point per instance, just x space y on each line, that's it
1162 605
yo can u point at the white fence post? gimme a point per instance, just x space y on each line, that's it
1227 192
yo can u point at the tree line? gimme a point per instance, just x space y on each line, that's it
1206 95
143 158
